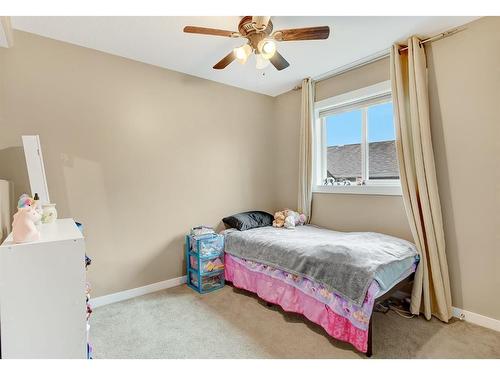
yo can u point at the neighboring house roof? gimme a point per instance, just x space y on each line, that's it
345 161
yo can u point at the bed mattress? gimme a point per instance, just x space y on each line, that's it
346 264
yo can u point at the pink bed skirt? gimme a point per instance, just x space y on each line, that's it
293 300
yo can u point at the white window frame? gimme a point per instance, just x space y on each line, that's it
334 104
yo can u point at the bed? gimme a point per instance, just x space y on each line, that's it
332 278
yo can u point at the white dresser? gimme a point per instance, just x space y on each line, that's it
42 294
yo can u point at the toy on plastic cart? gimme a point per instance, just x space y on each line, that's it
208 282
207 245
202 230
214 265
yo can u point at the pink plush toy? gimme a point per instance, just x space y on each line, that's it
293 219
23 226
302 219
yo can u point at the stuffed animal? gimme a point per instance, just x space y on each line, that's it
295 217
302 219
23 225
25 201
288 219
279 219
289 222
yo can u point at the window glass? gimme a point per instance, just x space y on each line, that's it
382 156
343 153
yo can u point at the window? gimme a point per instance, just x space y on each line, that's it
356 143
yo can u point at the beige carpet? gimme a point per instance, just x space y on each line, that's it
179 323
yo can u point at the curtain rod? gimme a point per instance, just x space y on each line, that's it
378 56
437 37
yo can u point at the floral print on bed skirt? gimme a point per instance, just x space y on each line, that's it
292 299
358 316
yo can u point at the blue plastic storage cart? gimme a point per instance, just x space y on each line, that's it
205 262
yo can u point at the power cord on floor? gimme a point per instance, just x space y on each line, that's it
398 308
379 307
404 313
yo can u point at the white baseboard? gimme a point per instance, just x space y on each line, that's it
465 315
475 318
136 292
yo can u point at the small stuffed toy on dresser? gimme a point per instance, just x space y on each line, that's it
23 225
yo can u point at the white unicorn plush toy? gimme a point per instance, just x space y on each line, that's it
23 226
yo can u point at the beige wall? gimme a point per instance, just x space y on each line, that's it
464 81
464 85
363 76
139 154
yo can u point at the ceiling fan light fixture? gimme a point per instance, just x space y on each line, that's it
260 22
267 48
261 62
242 53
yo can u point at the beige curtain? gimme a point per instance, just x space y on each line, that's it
306 149
431 290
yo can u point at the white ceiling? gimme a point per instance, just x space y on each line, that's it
160 41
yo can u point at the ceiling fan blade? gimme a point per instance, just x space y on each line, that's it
279 61
228 59
209 31
306 33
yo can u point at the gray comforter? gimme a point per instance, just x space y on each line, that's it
345 262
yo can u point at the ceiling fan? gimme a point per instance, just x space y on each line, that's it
258 30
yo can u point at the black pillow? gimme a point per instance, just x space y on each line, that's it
249 220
